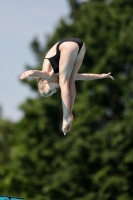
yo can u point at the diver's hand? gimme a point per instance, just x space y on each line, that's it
26 74
108 75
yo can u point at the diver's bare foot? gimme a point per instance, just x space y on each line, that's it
67 124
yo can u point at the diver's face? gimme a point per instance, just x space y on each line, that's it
52 88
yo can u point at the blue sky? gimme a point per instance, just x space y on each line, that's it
20 22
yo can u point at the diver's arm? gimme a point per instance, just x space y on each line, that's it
35 73
88 77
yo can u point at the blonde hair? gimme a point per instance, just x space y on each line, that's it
41 86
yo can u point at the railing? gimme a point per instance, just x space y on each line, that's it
10 198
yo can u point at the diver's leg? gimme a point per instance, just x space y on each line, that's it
67 61
76 67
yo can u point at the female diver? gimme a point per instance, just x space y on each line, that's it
63 61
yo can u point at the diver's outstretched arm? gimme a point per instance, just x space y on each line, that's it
35 73
88 77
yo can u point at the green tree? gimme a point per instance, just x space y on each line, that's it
7 143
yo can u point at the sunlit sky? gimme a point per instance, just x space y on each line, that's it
20 22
